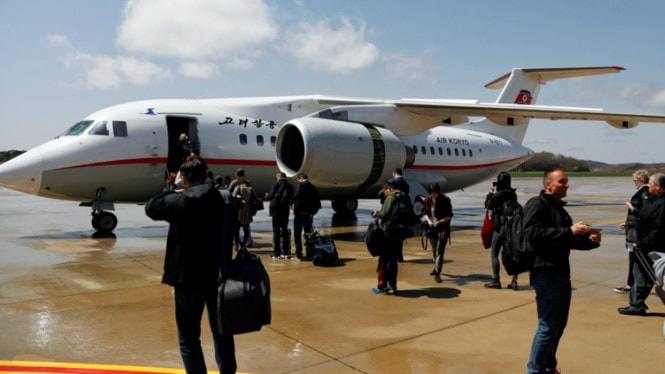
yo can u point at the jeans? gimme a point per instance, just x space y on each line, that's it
495 249
189 303
301 221
281 242
553 293
438 245
387 267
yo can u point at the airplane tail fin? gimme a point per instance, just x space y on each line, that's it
521 87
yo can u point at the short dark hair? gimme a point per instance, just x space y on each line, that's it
301 175
397 171
194 169
434 187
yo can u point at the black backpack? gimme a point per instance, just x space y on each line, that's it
517 256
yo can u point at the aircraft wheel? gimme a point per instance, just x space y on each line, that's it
104 222
345 206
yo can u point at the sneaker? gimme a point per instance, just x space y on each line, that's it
630 311
298 258
513 285
274 257
285 257
624 289
377 290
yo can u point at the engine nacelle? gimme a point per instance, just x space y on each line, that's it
338 153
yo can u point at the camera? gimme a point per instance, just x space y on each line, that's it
494 184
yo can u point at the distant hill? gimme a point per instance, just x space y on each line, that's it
627 167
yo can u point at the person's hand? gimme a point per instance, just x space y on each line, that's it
622 226
579 228
373 214
595 237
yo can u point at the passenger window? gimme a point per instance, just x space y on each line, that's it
431 150
463 152
422 148
415 149
440 151
273 140
99 129
470 153
243 139
449 152
120 129
259 140
456 152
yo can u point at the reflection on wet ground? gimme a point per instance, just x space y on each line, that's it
70 295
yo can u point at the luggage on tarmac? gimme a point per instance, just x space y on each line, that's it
321 249
243 298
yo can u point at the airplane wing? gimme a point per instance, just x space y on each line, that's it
418 115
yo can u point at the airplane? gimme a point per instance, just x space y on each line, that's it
347 146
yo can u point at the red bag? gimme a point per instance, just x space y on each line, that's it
487 230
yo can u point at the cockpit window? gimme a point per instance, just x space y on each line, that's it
99 128
77 129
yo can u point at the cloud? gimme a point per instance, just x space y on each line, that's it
58 41
323 48
646 95
106 72
198 70
203 29
410 68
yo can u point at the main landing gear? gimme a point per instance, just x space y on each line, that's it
102 221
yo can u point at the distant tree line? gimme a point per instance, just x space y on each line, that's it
545 160
8 155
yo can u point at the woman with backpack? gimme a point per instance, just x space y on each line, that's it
499 192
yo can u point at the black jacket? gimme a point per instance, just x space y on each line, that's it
194 242
637 200
650 230
547 229
276 206
306 198
494 202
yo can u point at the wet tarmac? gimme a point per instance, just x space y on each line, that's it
67 295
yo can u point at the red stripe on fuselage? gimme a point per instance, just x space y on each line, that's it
162 160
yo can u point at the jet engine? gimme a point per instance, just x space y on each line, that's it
338 153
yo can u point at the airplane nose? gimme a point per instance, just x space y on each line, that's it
23 173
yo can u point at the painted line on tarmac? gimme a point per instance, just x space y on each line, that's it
33 367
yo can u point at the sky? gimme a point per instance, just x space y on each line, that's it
65 59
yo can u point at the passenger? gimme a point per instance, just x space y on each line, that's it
306 204
244 195
240 173
438 214
387 266
650 232
280 196
195 256
641 180
398 181
551 233
500 192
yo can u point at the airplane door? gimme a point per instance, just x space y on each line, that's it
183 135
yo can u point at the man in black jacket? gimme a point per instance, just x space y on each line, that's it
650 237
306 204
280 196
551 233
195 255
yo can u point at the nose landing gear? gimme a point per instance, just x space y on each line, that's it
102 221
